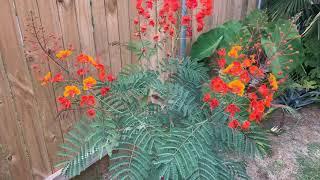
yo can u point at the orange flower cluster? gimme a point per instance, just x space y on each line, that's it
81 84
240 78
63 54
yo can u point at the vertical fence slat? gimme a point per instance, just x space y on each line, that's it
24 96
124 30
69 24
252 4
132 15
100 31
113 35
10 138
83 9
237 9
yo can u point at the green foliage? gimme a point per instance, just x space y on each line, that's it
85 142
285 8
221 36
251 143
306 14
280 41
281 53
158 128
205 50
142 49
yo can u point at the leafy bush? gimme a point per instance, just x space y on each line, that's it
305 14
174 121
280 41
172 138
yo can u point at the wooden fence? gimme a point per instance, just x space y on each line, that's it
29 130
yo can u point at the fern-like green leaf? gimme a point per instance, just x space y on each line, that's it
88 141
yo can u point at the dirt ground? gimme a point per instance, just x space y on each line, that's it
288 146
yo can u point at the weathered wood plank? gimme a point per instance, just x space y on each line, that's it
113 35
24 95
124 30
84 16
252 4
101 32
11 133
132 27
69 24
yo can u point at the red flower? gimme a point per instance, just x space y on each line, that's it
246 63
64 102
83 58
146 14
171 32
82 71
149 4
104 91
221 52
268 100
206 97
234 69
221 63
172 19
91 113
111 78
263 90
257 109
200 26
245 77
88 100
156 37
252 96
246 125
192 4
254 70
136 21
218 85
186 20
152 23
102 76
257 106
232 109
100 67
213 103
143 28
57 78
234 124
255 116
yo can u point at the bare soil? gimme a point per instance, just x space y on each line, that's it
294 141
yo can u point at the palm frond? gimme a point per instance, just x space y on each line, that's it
285 8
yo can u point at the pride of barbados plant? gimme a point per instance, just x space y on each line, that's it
166 122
